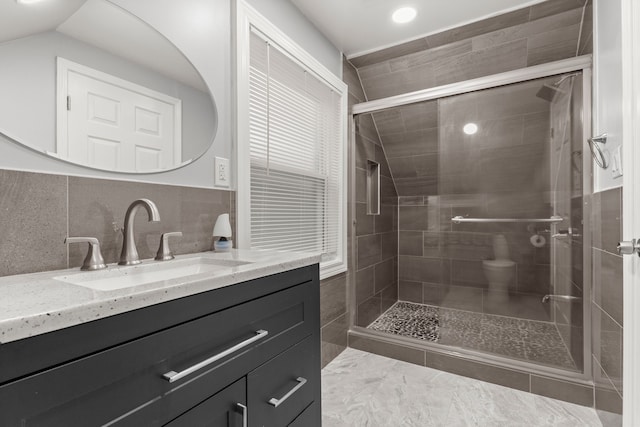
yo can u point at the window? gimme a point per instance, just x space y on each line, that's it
291 151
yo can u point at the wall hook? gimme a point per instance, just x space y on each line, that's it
599 156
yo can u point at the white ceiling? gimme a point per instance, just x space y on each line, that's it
110 28
357 27
101 24
20 20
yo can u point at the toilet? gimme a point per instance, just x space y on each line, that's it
499 271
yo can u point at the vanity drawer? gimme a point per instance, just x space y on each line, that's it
130 379
311 417
221 410
282 388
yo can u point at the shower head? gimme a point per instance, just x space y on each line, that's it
549 91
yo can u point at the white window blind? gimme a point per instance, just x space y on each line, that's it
296 150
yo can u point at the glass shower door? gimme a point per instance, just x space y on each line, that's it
506 279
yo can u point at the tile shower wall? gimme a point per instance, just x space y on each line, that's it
440 263
39 210
501 172
568 253
533 35
376 235
607 325
333 291
544 32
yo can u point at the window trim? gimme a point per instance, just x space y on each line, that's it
245 17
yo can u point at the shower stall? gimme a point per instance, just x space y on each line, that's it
482 185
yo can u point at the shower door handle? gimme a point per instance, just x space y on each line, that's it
569 232
629 247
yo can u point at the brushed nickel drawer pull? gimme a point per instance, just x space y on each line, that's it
275 402
175 376
244 410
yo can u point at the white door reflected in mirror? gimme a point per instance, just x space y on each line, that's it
110 123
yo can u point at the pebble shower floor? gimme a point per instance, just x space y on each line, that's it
529 340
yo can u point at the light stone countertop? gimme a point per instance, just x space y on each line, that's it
33 304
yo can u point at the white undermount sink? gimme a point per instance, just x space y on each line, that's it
118 277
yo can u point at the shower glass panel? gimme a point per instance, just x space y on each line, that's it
506 278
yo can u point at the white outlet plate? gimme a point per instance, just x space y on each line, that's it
222 172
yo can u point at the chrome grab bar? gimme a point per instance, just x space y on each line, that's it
460 219
277 402
566 298
173 376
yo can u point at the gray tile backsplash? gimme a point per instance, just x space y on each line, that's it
97 208
33 222
40 210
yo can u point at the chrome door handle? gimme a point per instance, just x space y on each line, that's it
629 247
243 409
277 402
175 376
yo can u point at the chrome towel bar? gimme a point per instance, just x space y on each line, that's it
553 220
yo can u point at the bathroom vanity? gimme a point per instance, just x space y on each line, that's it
236 348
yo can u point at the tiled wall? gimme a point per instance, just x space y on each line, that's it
376 235
568 253
534 35
39 210
500 172
333 291
607 300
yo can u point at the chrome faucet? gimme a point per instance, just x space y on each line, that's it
129 254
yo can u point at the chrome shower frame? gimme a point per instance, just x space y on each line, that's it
581 64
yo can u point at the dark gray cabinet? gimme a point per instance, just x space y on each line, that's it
281 389
227 408
194 361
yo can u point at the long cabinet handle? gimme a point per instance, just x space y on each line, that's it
243 409
277 402
175 376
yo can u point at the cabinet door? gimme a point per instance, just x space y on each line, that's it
282 388
221 410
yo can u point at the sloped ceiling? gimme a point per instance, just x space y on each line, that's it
361 26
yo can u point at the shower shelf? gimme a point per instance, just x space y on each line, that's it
552 220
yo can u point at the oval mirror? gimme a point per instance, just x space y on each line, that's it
87 82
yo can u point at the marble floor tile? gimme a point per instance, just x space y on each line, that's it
361 389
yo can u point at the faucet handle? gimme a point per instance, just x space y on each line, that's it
164 252
94 259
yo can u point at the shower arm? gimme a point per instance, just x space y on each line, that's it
553 220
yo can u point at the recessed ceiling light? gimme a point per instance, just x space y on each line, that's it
404 15
470 128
